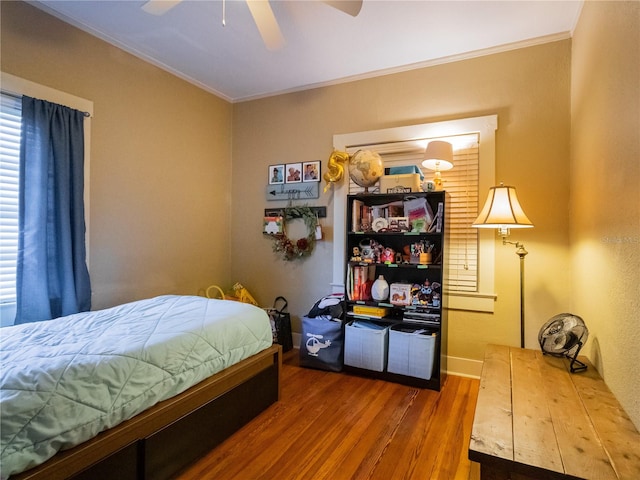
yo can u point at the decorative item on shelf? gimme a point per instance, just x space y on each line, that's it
368 249
406 254
303 247
502 211
400 294
425 258
421 252
366 168
427 294
400 183
419 225
419 213
399 224
370 311
380 289
438 157
388 255
403 179
379 224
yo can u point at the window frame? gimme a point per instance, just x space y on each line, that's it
484 299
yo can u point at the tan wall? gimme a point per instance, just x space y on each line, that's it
605 198
527 88
160 159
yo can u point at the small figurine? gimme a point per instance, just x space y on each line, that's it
357 256
387 255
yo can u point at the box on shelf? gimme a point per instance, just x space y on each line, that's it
411 351
408 182
400 294
365 345
371 311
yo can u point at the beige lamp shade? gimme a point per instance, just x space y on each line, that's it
502 210
438 156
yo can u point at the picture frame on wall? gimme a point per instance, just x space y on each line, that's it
276 174
311 171
293 172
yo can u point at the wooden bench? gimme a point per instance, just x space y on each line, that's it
536 420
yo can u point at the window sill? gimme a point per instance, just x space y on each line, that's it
474 302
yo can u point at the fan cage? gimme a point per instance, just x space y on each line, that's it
564 335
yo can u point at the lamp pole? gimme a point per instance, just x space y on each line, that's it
521 252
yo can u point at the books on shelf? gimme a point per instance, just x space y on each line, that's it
436 224
359 281
417 213
362 216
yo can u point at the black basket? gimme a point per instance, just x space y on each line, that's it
281 324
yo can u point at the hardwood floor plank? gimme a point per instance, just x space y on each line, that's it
335 426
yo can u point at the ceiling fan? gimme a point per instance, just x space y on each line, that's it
262 15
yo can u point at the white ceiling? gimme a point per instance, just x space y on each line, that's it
323 45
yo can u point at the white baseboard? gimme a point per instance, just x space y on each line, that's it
463 367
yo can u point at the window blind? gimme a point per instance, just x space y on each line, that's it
461 182
10 119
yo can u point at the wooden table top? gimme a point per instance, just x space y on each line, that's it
535 418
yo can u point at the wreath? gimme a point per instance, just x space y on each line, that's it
303 247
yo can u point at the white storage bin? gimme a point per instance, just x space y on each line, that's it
365 345
411 351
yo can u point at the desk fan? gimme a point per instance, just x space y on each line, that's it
563 336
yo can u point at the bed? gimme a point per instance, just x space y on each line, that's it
142 389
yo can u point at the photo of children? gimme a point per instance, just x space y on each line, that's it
311 171
276 174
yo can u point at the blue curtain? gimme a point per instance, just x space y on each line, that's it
52 277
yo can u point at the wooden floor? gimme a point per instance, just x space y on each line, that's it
335 426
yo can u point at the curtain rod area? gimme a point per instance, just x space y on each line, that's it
19 96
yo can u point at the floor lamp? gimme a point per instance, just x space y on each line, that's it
502 211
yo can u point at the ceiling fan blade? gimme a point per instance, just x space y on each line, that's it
267 24
352 7
159 7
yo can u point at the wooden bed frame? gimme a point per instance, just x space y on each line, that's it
164 439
